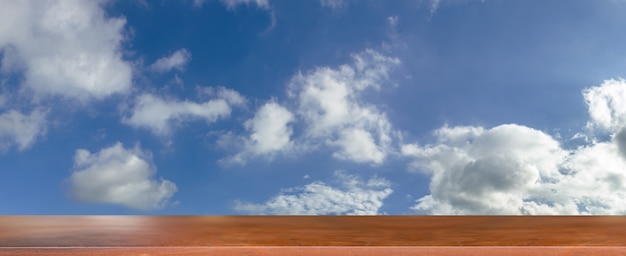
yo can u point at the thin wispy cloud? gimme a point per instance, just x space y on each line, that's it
176 60
161 116
21 130
353 197
232 4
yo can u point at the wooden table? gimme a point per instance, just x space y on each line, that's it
313 235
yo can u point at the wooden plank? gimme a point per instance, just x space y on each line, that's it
285 235
325 250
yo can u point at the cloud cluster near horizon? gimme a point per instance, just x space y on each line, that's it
353 197
508 169
117 175
514 169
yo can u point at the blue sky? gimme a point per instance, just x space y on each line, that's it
228 107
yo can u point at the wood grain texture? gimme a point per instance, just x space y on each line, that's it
324 251
362 235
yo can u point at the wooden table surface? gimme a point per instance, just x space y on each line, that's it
20 235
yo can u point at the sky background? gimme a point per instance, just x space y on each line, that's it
330 107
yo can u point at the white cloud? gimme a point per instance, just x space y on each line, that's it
20 129
330 109
595 179
329 102
270 133
495 171
231 96
232 4
161 116
355 197
607 105
116 175
177 60
64 47
359 146
269 129
513 169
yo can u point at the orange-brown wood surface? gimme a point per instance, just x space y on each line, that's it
324 251
196 234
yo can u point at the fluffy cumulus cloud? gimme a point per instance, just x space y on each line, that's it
20 129
329 102
117 175
513 169
328 106
64 47
176 60
493 171
353 197
269 133
359 146
594 179
161 116
607 105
